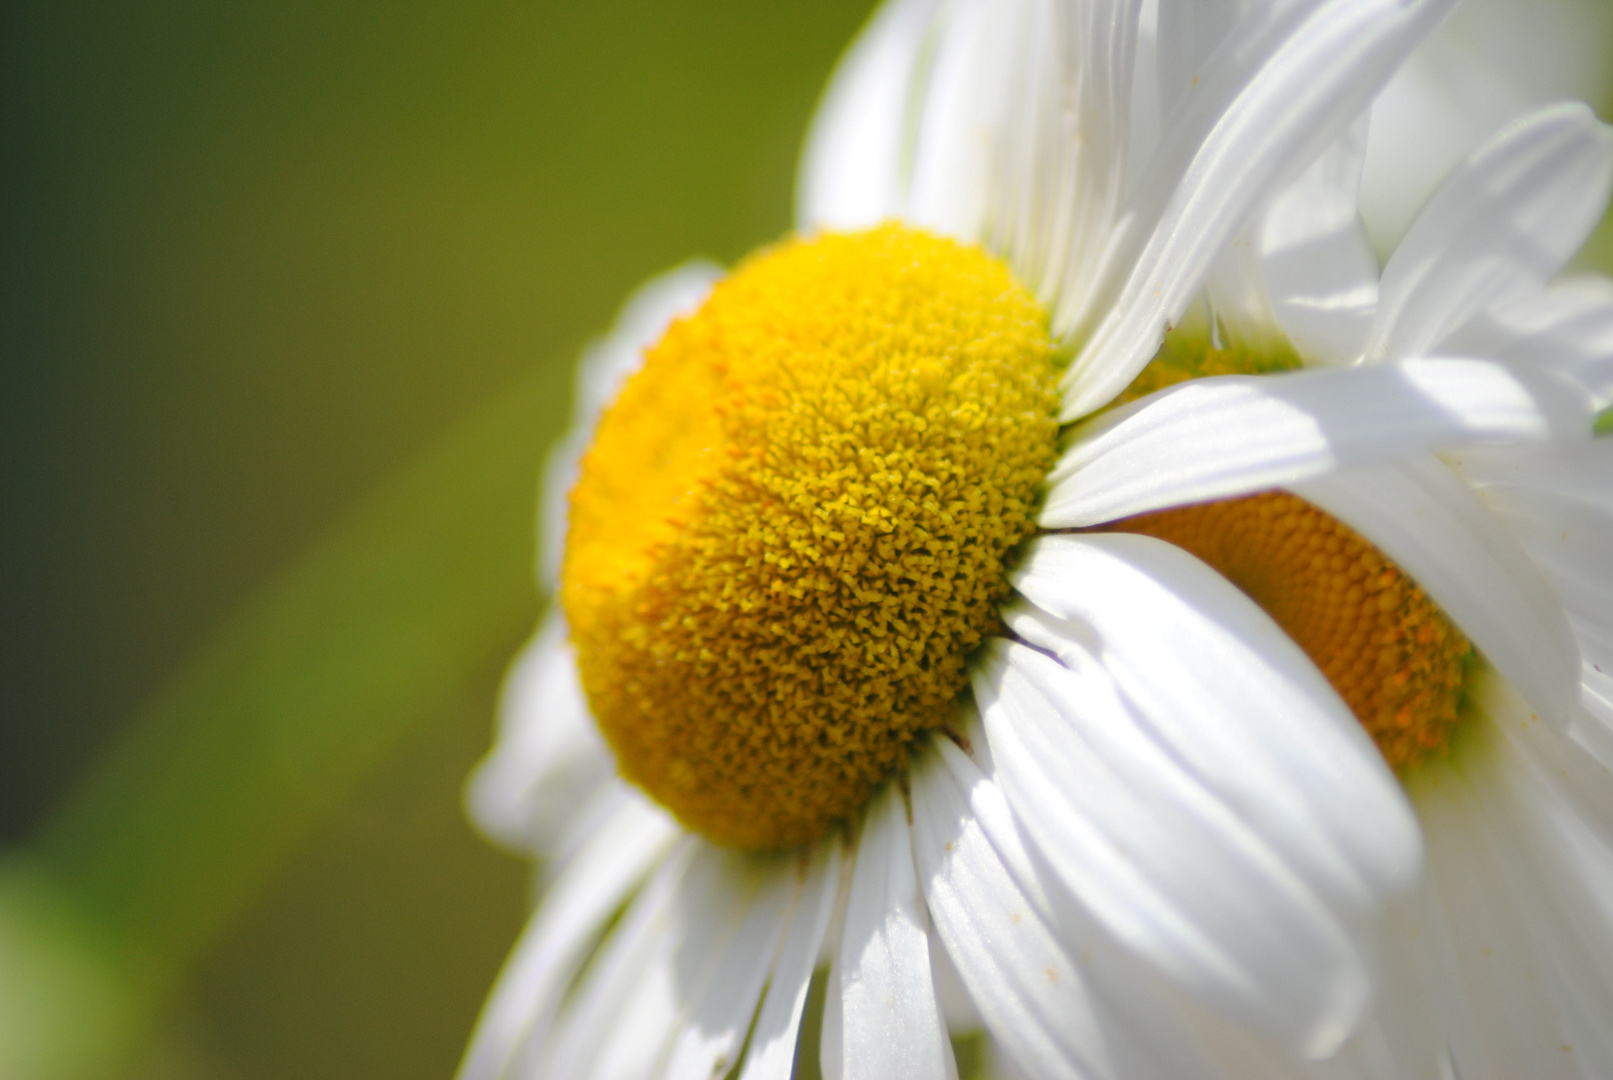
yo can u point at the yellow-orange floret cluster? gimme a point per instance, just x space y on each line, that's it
1388 650
790 530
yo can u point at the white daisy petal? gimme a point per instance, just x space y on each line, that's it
637 946
1504 223
1543 811
1496 993
713 1030
1216 683
888 1022
1577 471
1315 83
1316 263
1088 165
1567 326
1566 910
1033 996
1592 729
1571 541
715 900
549 757
556 939
1231 435
1019 142
1560 786
642 320
1162 865
1205 57
1187 33
968 100
1407 1014
853 171
772 1050
1430 523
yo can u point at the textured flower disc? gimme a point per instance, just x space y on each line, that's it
790 530
1389 651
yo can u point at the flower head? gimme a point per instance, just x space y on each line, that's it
1036 714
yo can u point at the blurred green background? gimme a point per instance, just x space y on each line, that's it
291 294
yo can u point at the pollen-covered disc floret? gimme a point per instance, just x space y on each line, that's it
791 528
1384 645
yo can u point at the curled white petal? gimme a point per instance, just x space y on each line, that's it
1503 225
1313 85
1230 435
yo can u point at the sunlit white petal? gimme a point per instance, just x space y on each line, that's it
889 1025
1314 83
772 1050
1506 222
1231 435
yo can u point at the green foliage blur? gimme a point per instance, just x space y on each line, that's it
289 299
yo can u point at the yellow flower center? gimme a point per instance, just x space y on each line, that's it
1391 654
790 530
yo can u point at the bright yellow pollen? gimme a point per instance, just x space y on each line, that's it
790 530
1391 654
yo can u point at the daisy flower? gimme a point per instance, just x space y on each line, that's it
834 681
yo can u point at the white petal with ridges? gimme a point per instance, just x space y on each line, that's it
556 940
1213 680
636 951
1034 996
773 1043
715 1017
1314 84
1019 134
1163 865
1201 66
889 1026
1503 225
644 1021
1234 434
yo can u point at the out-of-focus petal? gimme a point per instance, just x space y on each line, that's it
854 166
548 760
1504 224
